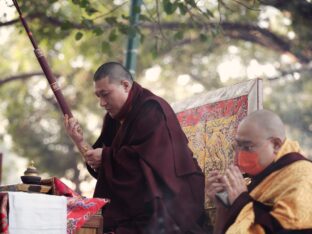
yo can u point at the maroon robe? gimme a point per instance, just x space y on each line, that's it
148 171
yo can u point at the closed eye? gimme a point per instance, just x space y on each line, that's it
246 147
101 94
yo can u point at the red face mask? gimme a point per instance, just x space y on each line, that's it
248 162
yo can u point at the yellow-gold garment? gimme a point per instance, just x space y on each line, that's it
288 190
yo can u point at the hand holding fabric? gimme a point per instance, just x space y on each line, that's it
234 183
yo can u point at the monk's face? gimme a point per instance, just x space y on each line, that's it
253 140
112 95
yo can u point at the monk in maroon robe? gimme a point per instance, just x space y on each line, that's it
141 160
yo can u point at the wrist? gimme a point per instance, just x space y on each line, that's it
83 147
78 141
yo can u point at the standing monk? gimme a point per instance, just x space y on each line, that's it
279 198
141 160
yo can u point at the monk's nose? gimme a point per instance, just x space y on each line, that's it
103 102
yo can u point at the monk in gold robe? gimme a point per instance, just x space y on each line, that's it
279 197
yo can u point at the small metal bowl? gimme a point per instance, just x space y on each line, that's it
31 179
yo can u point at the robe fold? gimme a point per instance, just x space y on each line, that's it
279 198
148 171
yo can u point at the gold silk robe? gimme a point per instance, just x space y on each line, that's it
288 191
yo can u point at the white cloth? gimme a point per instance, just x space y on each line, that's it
37 213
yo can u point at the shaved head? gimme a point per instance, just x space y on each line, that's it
260 135
114 71
267 122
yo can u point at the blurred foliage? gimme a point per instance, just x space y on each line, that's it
181 37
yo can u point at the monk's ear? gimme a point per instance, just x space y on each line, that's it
277 144
126 85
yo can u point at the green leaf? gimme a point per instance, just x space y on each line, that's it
182 8
169 7
142 38
78 36
126 17
178 35
97 31
66 25
191 3
215 30
88 23
208 14
84 3
144 18
113 35
203 37
91 10
111 20
105 47
123 28
154 52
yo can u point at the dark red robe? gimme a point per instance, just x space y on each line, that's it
148 171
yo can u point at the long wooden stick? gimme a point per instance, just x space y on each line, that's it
45 66
49 75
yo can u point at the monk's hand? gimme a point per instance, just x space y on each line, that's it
214 185
234 183
93 158
73 129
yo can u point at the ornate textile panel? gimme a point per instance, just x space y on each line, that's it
211 129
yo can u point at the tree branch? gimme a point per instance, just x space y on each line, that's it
284 73
22 76
238 31
47 19
245 32
302 7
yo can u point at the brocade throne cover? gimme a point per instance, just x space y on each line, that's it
210 121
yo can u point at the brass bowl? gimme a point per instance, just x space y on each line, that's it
31 179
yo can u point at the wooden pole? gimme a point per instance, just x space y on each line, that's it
45 66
